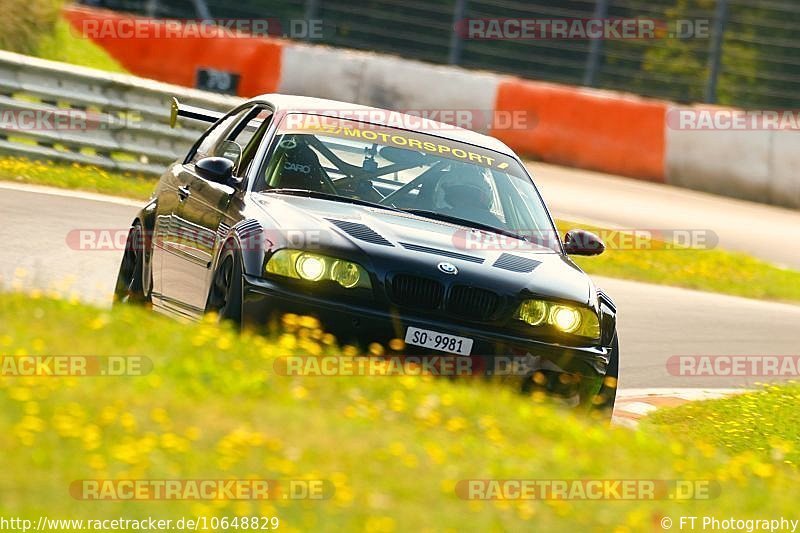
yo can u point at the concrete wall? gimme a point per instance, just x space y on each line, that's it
611 132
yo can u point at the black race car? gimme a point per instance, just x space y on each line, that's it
384 226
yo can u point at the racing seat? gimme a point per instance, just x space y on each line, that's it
302 170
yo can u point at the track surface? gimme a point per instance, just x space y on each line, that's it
655 322
761 230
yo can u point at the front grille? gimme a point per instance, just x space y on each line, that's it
472 302
414 291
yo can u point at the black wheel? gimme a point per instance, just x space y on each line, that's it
225 294
129 288
607 395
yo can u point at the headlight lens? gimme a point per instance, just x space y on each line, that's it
310 267
316 267
345 273
565 318
534 312
575 320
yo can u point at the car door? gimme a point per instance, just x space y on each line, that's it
211 208
175 233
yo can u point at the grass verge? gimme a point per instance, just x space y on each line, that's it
765 422
708 270
392 448
35 27
63 44
76 177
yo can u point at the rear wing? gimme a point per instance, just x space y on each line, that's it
178 109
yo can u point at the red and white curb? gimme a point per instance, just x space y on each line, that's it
634 404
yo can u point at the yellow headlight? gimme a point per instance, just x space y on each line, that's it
345 274
565 318
533 312
310 267
575 320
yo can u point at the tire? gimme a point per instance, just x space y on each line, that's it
129 288
225 293
603 401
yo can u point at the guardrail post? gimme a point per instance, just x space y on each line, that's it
595 47
312 12
456 44
715 50
201 8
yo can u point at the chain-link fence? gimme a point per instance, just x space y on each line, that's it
735 52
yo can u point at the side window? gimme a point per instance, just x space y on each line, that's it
214 137
242 143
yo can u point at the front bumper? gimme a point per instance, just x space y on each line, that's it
361 325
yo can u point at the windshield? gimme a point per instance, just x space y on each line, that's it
422 174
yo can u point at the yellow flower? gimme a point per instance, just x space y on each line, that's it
379 524
456 423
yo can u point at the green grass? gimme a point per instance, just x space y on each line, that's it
76 177
708 270
65 45
711 270
393 448
35 27
765 422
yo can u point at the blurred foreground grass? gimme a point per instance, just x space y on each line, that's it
393 448
708 270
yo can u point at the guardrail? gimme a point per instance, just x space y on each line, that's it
60 112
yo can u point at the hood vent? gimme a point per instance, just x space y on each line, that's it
515 263
247 229
444 253
360 232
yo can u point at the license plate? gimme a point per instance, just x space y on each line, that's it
439 341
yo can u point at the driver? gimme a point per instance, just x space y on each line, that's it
468 195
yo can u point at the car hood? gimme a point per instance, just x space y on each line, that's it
388 242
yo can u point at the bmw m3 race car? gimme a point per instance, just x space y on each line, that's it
432 237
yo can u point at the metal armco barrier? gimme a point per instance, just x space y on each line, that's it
61 112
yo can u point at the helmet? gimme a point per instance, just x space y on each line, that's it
466 186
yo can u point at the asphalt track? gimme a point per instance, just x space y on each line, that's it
655 322
764 231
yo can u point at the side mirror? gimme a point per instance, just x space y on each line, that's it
582 242
216 169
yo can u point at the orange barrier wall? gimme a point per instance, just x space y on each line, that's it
597 130
176 60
